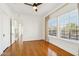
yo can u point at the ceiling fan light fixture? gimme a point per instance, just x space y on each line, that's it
35 8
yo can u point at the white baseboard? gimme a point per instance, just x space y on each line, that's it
31 39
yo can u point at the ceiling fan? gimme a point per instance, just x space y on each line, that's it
34 5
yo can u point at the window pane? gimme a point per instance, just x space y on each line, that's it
52 27
78 29
73 24
64 30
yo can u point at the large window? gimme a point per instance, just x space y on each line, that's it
52 26
68 25
69 28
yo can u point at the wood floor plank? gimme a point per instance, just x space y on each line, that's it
35 48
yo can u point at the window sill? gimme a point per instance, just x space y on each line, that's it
69 40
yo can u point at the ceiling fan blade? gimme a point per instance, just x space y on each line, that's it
28 4
39 4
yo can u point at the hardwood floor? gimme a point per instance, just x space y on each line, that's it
35 48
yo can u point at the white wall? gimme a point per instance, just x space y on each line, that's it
32 27
4 27
5 15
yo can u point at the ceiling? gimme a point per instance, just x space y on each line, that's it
43 9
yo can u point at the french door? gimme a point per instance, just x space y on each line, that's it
15 37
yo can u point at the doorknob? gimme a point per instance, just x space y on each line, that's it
3 35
